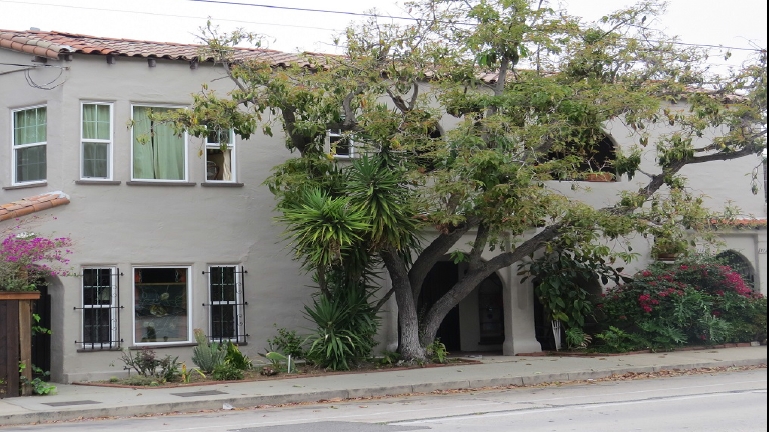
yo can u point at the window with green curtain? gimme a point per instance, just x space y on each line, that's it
29 144
97 140
158 153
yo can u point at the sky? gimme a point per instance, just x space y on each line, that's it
736 23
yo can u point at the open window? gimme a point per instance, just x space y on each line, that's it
340 144
220 156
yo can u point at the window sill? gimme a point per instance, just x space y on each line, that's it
98 182
91 350
26 186
158 183
221 184
163 345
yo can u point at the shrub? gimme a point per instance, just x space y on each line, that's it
287 342
227 372
236 358
346 324
694 300
26 258
146 364
205 355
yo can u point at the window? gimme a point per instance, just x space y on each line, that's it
100 307
161 305
227 315
220 156
29 145
596 165
340 144
158 152
96 141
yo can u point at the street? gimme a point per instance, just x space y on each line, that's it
734 401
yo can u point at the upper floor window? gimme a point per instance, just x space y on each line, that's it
340 144
29 145
96 141
158 152
220 156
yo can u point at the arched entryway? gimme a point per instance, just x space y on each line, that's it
741 265
477 323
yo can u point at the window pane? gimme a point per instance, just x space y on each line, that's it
97 287
30 164
158 153
96 325
29 126
223 322
95 159
223 284
160 307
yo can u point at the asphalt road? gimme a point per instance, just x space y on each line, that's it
734 401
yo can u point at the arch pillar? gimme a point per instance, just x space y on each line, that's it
520 336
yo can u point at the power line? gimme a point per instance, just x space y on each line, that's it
232 3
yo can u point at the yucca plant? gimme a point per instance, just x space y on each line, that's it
207 356
346 323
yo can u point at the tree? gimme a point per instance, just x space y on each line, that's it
530 89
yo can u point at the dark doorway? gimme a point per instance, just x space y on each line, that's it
741 265
491 311
438 282
41 340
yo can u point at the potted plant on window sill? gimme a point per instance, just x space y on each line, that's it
599 177
669 248
25 260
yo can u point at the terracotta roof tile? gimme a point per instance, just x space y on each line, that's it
32 204
51 44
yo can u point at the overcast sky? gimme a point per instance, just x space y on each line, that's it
735 23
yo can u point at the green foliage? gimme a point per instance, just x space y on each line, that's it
346 323
236 358
227 372
38 384
694 300
616 340
576 338
437 351
562 276
388 358
205 355
146 364
280 362
287 342
490 175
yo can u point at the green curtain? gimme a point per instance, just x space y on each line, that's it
158 151
29 127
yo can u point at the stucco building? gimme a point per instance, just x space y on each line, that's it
176 233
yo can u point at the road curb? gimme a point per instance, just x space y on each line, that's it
250 401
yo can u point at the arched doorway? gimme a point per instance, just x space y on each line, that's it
479 318
741 265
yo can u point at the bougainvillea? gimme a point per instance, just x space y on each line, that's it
695 300
25 258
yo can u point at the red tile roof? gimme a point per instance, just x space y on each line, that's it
32 204
51 44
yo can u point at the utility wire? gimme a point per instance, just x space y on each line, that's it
360 14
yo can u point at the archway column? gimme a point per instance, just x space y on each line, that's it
520 336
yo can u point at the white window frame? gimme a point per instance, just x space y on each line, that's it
112 306
14 147
233 160
185 137
189 307
109 142
240 327
330 134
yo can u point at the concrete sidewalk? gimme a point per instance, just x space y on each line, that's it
76 401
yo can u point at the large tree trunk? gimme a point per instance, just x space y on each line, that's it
409 348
